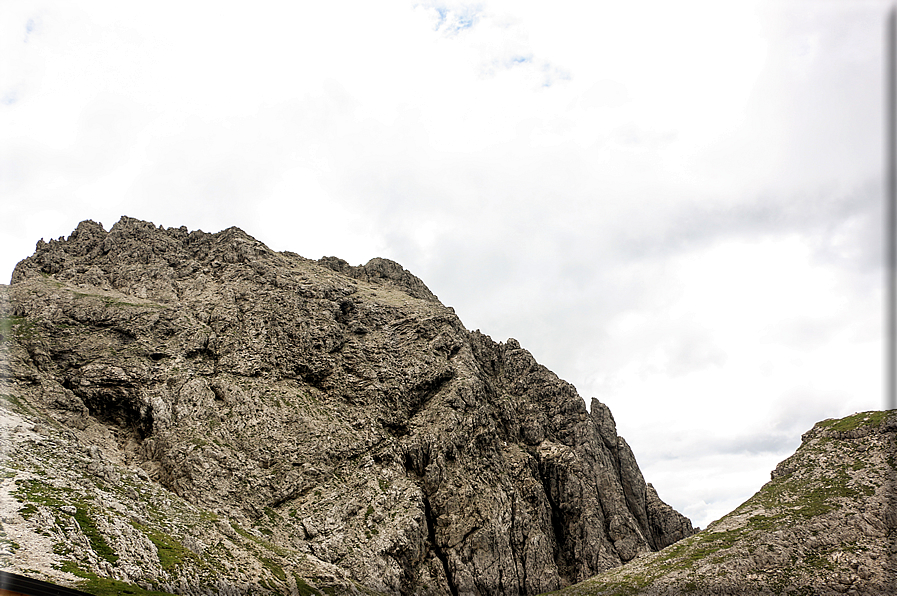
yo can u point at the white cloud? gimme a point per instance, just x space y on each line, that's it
676 207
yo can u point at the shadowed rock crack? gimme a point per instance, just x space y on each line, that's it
437 550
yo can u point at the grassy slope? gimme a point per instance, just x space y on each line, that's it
815 500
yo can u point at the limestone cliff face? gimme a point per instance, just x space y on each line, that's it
342 413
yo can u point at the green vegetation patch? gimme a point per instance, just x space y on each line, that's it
684 554
818 561
97 542
805 498
681 556
102 586
171 552
16 403
274 568
767 523
34 492
860 420
303 588
259 541
629 585
16 327
244 533
27 511
712 542
10 544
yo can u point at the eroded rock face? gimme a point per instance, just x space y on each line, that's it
344 411
826 523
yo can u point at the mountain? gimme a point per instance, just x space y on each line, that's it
197 414
826 523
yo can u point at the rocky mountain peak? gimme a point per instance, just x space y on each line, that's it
379 270
100 258
285 425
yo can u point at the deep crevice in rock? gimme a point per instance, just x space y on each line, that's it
437 550
557 521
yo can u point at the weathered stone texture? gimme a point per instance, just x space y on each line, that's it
343 410
824 524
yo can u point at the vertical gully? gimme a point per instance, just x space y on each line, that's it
437 550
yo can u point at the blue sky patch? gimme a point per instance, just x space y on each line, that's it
553 74
455 19
443 13
30 27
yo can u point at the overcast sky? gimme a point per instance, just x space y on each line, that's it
675 206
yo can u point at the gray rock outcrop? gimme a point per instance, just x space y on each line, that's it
338 425
825 524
